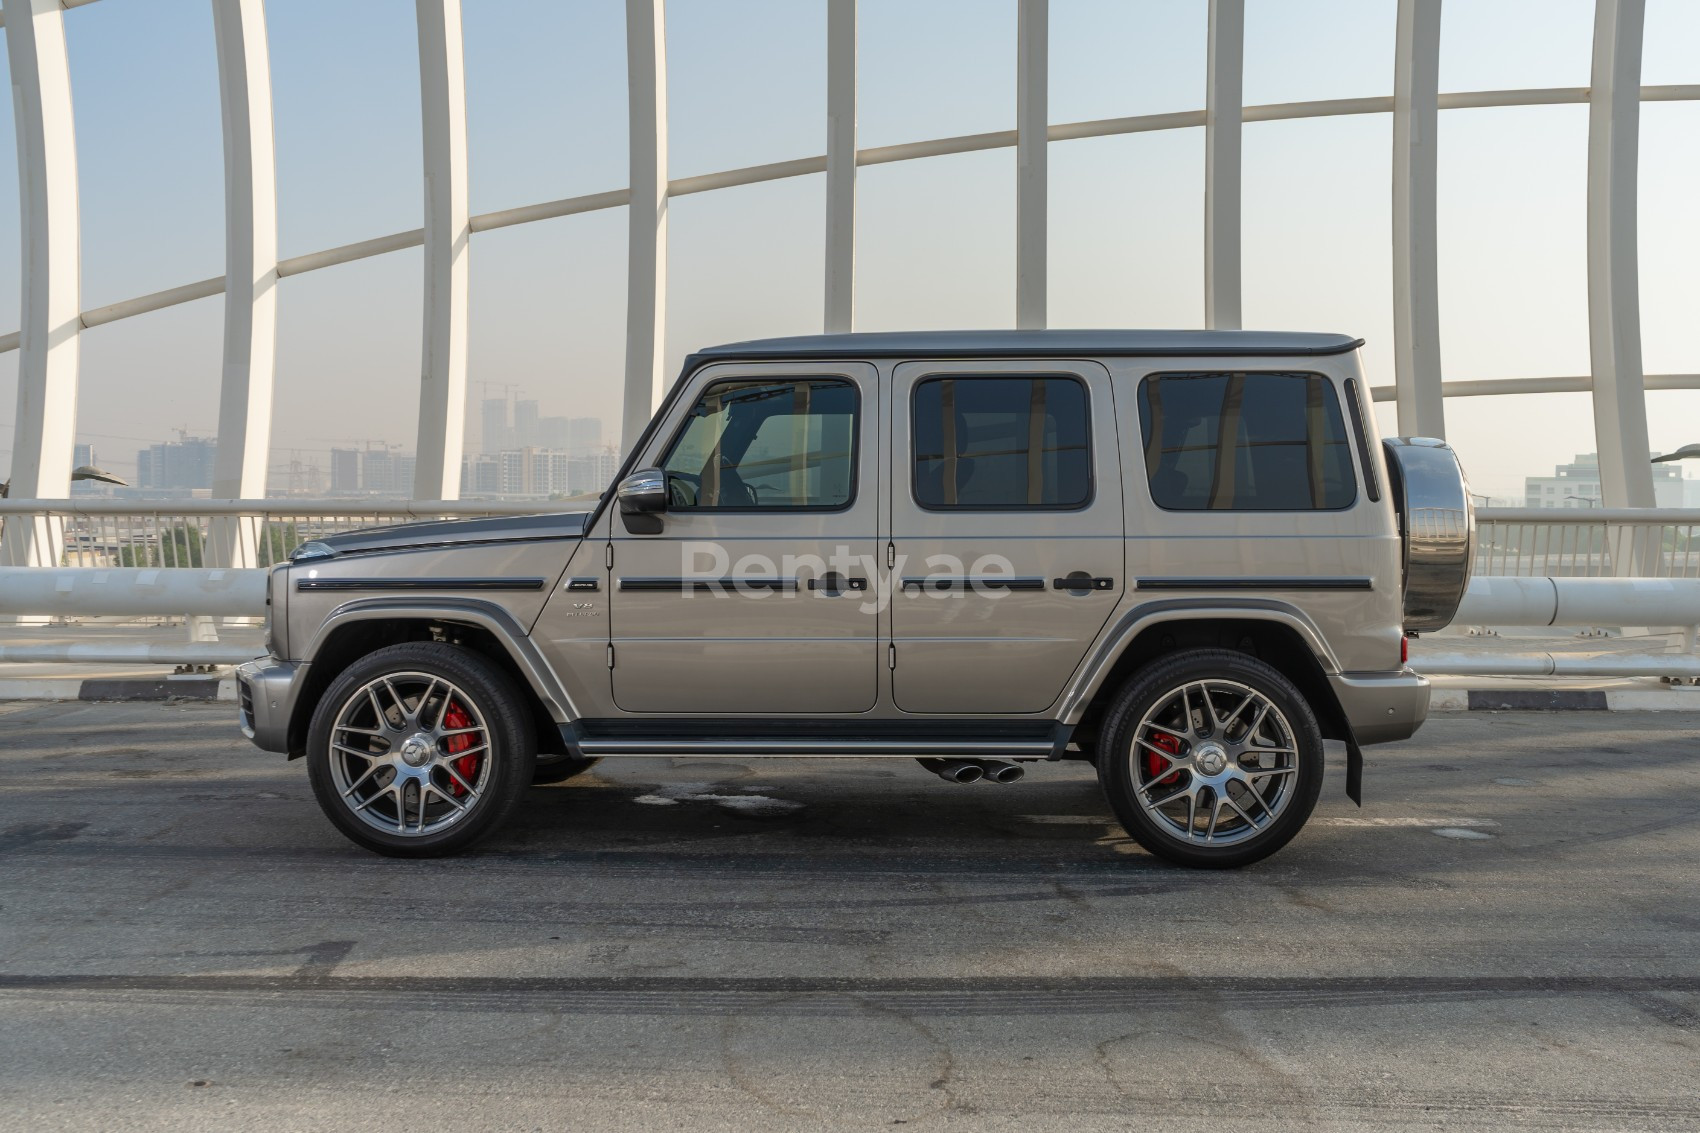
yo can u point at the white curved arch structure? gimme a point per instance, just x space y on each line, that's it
47 340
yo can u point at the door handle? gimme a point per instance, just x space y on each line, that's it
1082 583
832 584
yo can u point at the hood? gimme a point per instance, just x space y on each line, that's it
406 536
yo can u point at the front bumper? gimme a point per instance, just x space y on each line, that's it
265 696
1382 707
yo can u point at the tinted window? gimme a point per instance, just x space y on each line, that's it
1245 442
766 444
1001 444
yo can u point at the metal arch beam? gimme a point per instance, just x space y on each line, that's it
1614 299
1497 387
442 384
876 155
49 347
1223 112
840 298
250 276
646 259
1032 170
1416 286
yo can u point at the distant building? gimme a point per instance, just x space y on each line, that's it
1577 485
345 470
480 475
497 433
371 472
176 465
525 433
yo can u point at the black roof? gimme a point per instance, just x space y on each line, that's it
1036 343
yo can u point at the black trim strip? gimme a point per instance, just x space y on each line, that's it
943 582
421 583
700 727
705 585
1256 584
1372 482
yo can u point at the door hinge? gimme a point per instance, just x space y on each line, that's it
608 555
890 555
610 654
891 656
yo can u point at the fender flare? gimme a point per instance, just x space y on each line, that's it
1090 677
465 611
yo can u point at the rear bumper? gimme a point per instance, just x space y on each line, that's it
265 696
1382 707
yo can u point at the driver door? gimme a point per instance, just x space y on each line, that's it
752 599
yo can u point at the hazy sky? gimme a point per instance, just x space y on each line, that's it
546 119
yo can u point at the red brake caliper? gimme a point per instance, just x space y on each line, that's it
1154 763
467 765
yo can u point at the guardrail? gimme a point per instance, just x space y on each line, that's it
199 559
1588 543
1526 542
224 533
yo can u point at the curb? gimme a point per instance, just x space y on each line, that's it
122 689
1562 700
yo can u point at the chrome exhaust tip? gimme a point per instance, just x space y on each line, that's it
953 770
997 771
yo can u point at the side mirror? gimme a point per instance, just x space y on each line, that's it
643 497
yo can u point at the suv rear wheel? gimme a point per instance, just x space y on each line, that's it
419 750
1211 758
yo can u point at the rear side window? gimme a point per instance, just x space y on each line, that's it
1245 442
1001 444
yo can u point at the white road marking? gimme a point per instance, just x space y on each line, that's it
1402 821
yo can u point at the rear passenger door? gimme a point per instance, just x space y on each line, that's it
1006 531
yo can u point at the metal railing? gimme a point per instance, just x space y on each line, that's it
1510 542
1646 563
1589 543
219 533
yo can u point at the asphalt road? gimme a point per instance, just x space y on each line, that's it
1508 934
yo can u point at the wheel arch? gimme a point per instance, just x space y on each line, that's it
1273 631
358 628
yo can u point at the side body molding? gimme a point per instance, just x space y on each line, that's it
1119 634
463 611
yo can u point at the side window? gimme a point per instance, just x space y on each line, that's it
754 445
1245 442
1001 444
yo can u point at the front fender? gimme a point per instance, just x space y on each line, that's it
488 616
1124 630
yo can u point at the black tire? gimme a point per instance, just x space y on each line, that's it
497 774
1287 785
560 770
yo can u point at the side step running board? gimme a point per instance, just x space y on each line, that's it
813 746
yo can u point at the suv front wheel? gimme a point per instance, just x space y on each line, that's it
1211 758
419 750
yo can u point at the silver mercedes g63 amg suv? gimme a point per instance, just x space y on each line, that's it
1179 555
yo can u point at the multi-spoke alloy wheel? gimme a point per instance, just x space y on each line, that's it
408 753
419 749
1217 762
1213 758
